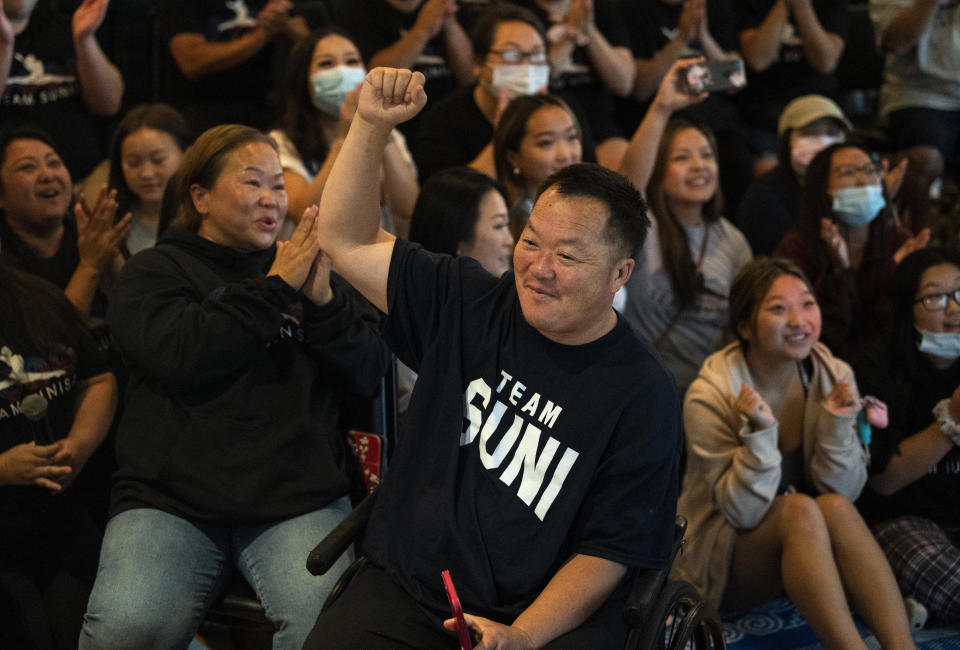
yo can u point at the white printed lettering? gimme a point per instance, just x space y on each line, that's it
474 415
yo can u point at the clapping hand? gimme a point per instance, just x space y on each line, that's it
841 401
88 17
915 243
98 236
296 257
757 411
836 244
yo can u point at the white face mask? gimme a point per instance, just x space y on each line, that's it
520 79
805 147
945 345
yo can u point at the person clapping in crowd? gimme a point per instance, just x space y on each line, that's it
228 449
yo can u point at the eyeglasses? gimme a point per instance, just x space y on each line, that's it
938 301
513 55
849 172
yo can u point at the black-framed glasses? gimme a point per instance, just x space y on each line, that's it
938 301
514 55
849 172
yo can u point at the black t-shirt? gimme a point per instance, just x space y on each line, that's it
652 24
517 452
910 400
57 269
54 375
768 211
581 80
238 94
43 88
375 25
454 132
790 76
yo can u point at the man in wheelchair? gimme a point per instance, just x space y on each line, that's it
539 456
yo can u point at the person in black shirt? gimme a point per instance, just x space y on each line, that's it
541 446
53 73
911 500
229 456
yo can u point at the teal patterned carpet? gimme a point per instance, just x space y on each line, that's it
778 626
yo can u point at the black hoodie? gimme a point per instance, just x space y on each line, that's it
231 411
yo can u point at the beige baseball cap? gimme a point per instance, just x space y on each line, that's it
804 110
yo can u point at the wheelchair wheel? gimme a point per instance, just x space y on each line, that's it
667 625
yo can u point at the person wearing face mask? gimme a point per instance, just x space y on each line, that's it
849 245
510 57
912 501
323 72
770 205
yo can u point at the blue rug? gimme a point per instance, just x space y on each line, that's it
778 626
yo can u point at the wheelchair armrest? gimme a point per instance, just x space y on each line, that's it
331 547
648 583
647 586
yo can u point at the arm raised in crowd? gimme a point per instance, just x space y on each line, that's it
349 220
821 48
909 25
100 82
7 38
640 155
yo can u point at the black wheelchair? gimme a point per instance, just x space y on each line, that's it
660 614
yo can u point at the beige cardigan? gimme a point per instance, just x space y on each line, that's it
733 473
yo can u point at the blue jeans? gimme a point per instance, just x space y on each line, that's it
159 574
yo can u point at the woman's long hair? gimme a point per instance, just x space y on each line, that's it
816 204
36 315
512 128
299 121
160 117
680 267
448 208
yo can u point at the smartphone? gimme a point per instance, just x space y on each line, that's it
713 76
463 632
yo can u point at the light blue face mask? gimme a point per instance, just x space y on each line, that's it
945 345
330 87
858 206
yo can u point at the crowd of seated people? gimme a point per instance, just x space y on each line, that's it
556 143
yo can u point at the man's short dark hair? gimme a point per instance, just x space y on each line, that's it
627 220
481 37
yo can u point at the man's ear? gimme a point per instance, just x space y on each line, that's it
201 198
622 271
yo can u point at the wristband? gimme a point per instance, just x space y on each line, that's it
948 425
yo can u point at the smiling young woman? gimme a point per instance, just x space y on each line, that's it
774 462
678 296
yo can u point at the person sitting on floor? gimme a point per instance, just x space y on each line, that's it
773 465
